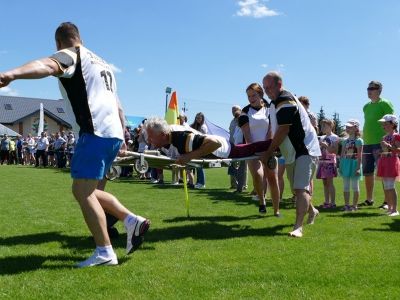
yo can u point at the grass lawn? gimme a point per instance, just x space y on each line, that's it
226 250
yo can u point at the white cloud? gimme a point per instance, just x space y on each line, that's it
254 9
280 68
264 66
140 70
7 91
115 69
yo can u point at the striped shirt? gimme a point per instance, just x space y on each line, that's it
302 138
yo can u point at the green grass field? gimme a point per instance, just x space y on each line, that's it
226 250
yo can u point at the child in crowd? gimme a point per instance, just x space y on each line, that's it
327 169
389 162
350 163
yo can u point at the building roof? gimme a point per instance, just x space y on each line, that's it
13 109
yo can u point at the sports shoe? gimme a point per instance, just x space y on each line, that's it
383 206
367 203
297 233
97 260
153 180
394 214
312 216
262 209
346 208
135 232
255 198
353 208
199 186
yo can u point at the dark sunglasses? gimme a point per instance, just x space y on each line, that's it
372 88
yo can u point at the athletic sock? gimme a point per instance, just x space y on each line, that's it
129 220
106 251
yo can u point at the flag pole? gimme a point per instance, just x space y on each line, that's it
168 91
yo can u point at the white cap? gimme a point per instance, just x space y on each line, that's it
352 123
389 118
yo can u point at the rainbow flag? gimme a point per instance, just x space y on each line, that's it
172 113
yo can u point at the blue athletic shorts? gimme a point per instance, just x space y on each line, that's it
370 158
93 156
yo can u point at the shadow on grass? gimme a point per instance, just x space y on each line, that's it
75 242
213 218
218 195
215 195
393 226
355 214
11 265
211 231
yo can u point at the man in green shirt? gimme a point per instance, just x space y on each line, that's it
372 134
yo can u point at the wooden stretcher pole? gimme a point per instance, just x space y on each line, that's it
186 192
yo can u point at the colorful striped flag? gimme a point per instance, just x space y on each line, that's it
172 113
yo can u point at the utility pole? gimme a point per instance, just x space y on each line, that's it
184 109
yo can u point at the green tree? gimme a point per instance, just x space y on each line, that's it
338 125
320 117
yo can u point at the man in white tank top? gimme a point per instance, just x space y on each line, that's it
88 83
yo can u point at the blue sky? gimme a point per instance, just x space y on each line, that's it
209 51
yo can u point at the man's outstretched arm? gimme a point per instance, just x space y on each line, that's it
36 69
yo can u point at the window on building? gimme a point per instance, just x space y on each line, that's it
7 106
60 110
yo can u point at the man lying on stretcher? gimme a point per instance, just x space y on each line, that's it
192 144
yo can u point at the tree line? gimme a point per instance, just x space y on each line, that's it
339 128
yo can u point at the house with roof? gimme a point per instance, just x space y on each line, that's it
21 114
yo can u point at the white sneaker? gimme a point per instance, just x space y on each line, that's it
175 183
199 186
298 233
135 232
394 214
255 198
154 180
98 260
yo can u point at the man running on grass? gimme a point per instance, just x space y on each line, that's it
88 83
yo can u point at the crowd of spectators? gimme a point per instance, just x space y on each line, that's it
55 150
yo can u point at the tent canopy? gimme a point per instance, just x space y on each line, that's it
134 121
8 131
